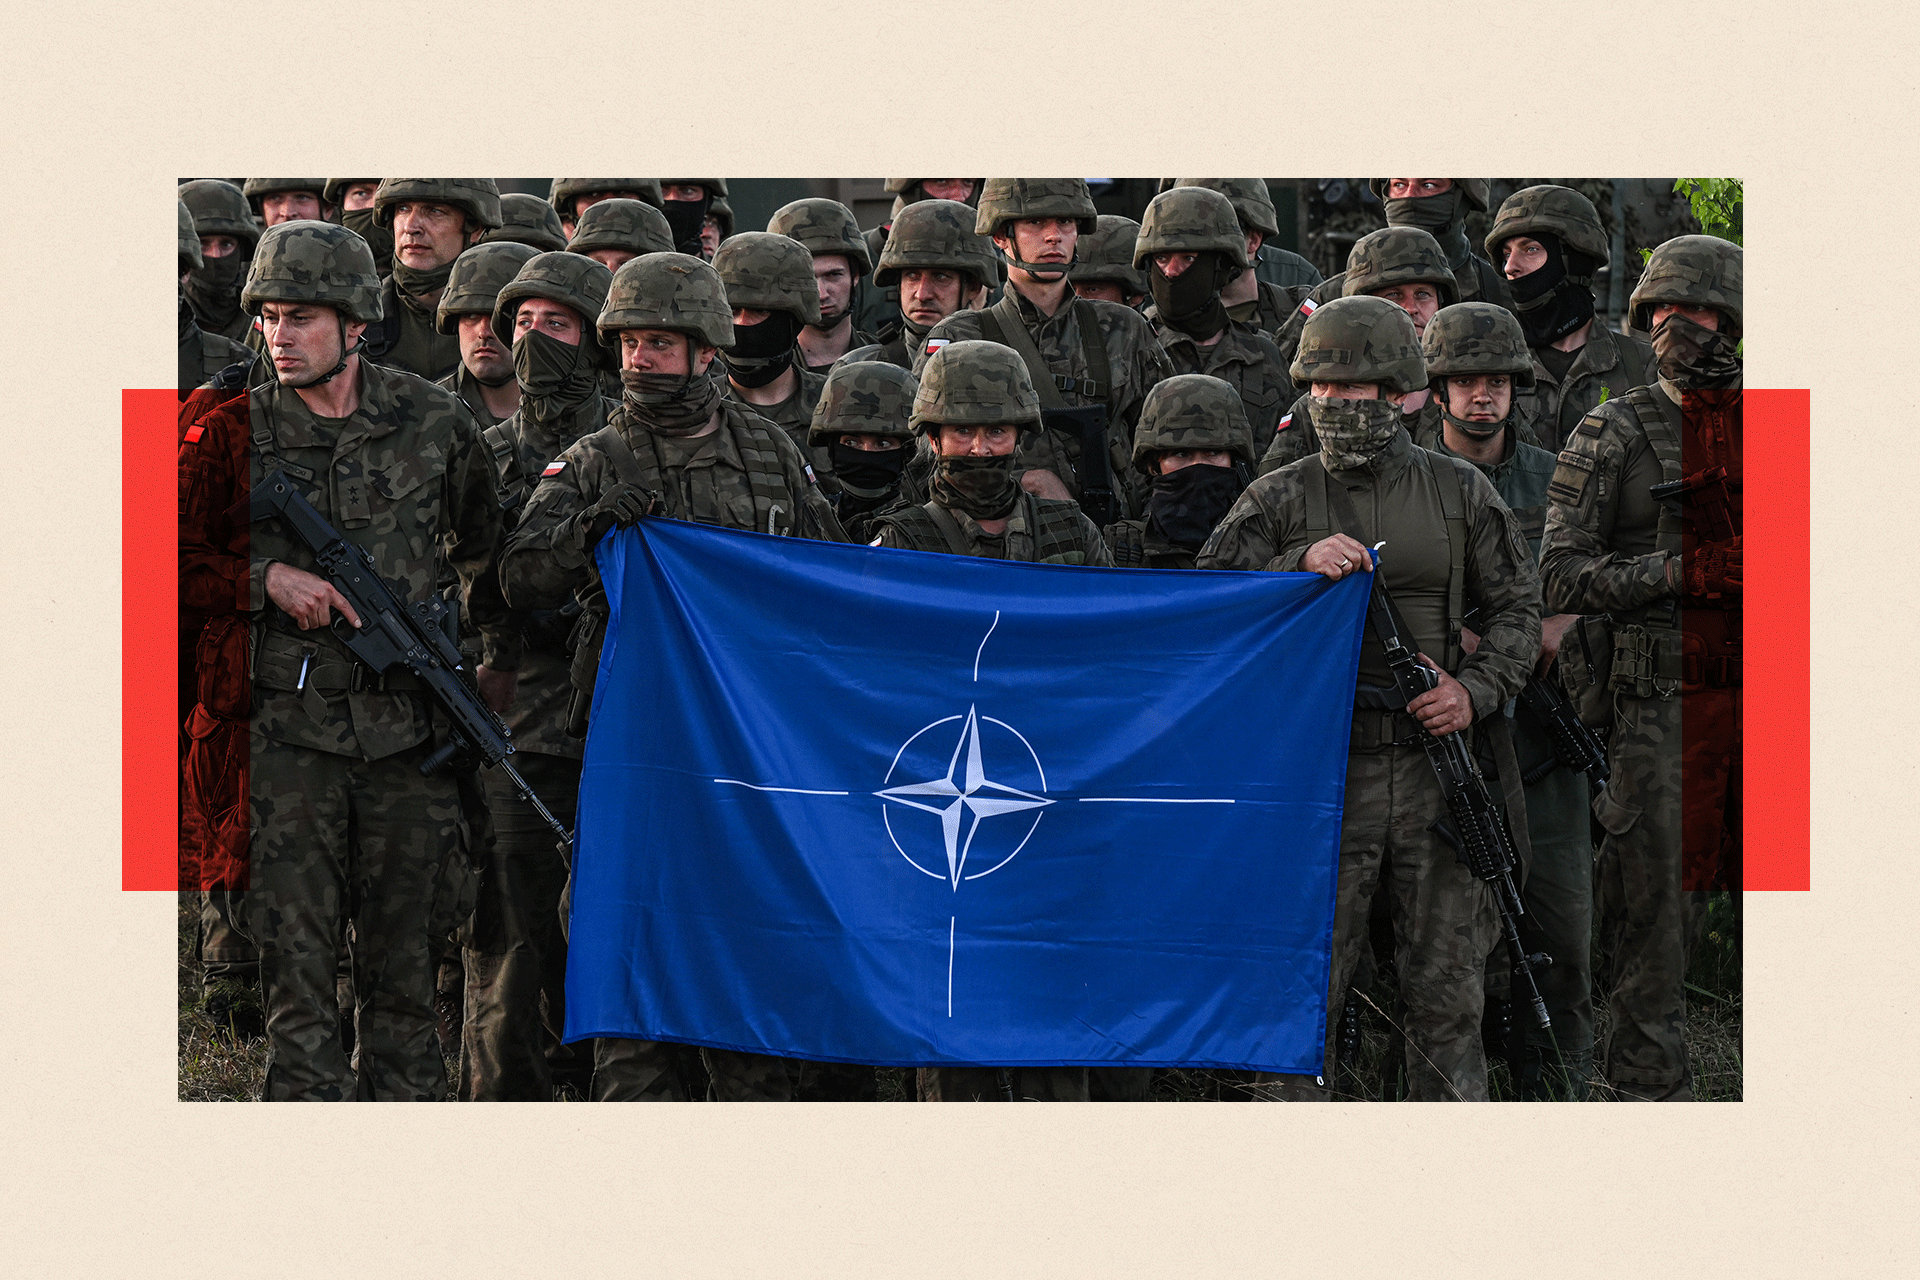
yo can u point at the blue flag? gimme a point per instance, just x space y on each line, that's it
894 807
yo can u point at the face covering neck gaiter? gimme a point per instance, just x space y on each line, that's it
867 473
378 238
1352 432
1558 298
1190 301
214 289
685 218
1694 357
1439 216
420 284
762 352
669 403
554 377
1184 506
983 488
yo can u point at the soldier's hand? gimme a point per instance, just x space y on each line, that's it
618 507
1469 640
497 687
1336 557
1044 484
1446 708
308 599
1715 569
1553 630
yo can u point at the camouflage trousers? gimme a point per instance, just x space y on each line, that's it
515 955
225 953
1444 926
1645 918
645 1071
993 1084
338 842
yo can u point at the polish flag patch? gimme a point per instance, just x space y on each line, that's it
1308 306
553 469
1284 424
934 344
194 433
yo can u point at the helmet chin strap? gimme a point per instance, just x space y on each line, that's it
346 353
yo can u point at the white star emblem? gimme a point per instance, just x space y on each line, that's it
971 793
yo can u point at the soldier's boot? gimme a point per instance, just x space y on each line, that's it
449 996
634 1071
746 1077
235 1007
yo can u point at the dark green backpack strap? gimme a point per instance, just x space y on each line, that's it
1453 506
1093 346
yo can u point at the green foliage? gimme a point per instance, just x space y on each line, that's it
1717 205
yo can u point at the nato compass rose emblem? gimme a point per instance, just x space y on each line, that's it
970 771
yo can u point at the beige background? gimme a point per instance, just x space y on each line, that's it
107 1175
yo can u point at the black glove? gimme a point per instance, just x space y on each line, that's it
619 507
1715 569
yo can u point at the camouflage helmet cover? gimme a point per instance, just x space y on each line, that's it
901 188
220 209
1476 337
258 187
936 233
189 239
1701 271
769 272
668 291
306 261
1560 210
335 192
478 276
631 225
1191 411
1107 254
1360 339
1399 255
1003 200
1476 190
866 397
569 279
479 198
1190 220
975 383
528 220
823 226
565 189
1252 202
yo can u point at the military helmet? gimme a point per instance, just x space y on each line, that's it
1191 411
478 198
259 187
189 239
1190 220
864 398
1701 271
899 188
307 261
768 272
335 192
722 214
936 233
528 220
716 187
1252 202
1476 337
220 209
824 226
630 225
571 279
478 276
1399 255
1360 339
669 291
1476 190
565 189
975 384
1107 254
1004 200
1560 210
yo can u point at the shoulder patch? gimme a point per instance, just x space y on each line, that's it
195 431
554 468
1283 424
1308 306
1571 476
934 344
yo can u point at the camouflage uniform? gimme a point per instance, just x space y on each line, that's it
868 397
202 354
930 234
827 226
477 278
1106 257
220 209
769 272
1611 549
407 338
346 832
631 226
1457 544
515 958
1478 338
1186 411
565 193
688 237
1283 278
877 304
527 220
746 474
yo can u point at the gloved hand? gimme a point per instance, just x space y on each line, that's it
618 507
1715 569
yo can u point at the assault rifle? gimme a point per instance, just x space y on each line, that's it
394 636
1474 826
1088 424
1574 744
1708 491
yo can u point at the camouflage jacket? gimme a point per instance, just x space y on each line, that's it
1294 437
463 384
1398 498
1040 531
902 349
1608 365
203 354
1272 304
1520 478
406 339
406 478
1285 269
860 340
794 415
1248 362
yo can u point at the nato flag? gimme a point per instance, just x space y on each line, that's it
893 807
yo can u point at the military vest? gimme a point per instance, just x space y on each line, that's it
1053 531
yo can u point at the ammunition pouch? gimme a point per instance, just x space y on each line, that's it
1646 662
1702 670
588 633
1585 666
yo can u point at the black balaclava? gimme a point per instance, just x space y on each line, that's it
1185 505
762 352
1443 217
669 403
554 377
214 289
1558 298
686 217
867 473
1190 301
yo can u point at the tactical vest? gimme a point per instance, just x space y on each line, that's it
1127 542
1053 533
774 502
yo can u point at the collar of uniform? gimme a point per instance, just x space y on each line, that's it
296 426
1494 469
1599 353
1030 314
1384 465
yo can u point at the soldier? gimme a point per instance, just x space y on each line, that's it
1103 269
715 227
571 197
860 423
878 308
1089 358
228 234
1192 433
689 204
515 958
1281 279
278 200
433 221
1192 248
484 380
202 354
1549 242
613 232
1450 544
1477 365
769 282
1667 577
676 446
829 232
353 197
528 220
347 833
935 264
